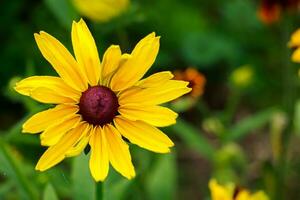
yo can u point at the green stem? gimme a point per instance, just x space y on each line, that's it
99 191
232 105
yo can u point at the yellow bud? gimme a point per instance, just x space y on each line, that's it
242 76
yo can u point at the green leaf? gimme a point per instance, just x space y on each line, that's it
11 167
49 193
63 11
245 126
161 182
83 184
193 138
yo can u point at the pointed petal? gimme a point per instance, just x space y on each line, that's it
118 152
56 153
46 95
54 133
111 60
42 120
155 80
143 135
54 84
142 58
86 52
99 163
61 60
168 91
153 115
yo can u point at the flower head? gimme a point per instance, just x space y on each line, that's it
231 192
98 103
270 10
100 10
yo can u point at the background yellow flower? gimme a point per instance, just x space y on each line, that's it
100 10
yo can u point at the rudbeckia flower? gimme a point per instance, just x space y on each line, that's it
231 192
270 10
100 10
99 103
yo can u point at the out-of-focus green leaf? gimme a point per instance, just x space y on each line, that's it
5 188
63 11
161 182
207 48
49 193
83 184
10 166
193 138
245 126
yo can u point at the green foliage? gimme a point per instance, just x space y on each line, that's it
49 193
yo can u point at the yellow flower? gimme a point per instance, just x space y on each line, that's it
100 10
220 192
100 102
231 192
295 43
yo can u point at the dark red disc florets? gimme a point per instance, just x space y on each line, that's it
98 105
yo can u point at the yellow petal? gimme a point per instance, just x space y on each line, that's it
111 60
260 195
61 60
135 67
295 39
218 191
296 56
86 52
56 153
40 121
46 95
55 84
53 133
118 152
154 115
155 80
168 91
143 135
79 147
99 163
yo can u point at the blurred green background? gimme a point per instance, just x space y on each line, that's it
246 132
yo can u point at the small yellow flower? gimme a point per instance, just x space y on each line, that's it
231 192
100 102
295 43
100 10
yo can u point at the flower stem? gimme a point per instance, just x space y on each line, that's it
99 191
